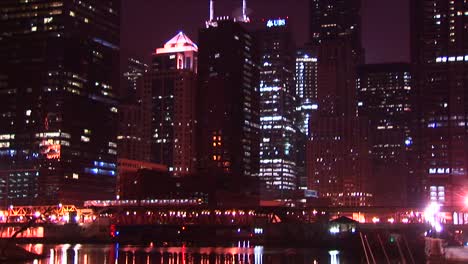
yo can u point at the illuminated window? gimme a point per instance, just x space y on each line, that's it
47 20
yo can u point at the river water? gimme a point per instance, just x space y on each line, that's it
242 252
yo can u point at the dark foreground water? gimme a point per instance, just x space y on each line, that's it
242 252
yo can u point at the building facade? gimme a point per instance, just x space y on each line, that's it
130 141
385 97
338 162
168 101
440 55
333 19
228 113
306 86
278 146
58 118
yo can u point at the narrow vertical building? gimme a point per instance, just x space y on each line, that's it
228 119
440 55
306 86
385 97
130 142
306 103
58 116
278 146
168 102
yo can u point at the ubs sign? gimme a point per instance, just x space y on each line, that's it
276 23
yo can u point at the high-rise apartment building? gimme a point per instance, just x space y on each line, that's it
385 97
228 118
440 55
168 102
278 164
58 116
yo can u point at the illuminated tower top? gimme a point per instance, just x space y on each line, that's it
179 43
179 53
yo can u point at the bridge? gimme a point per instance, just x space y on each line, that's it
195 212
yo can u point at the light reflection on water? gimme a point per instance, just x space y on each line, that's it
243 253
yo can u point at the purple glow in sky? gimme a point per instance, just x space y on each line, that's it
148 24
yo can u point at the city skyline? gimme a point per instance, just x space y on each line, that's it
145 25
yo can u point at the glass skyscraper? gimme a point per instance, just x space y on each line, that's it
58 117
278 164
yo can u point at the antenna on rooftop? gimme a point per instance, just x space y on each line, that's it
244 10
211 10
211 22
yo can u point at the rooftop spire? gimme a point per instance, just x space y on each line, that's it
211 10
244 10
211 22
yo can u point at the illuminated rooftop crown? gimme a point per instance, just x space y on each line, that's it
179 43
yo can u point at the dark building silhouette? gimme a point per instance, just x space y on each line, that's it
228 122
385 97
60 74
440 56
278 144
333 19
338 162
135 69
168 101
130 141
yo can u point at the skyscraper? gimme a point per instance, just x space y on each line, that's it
338 162
134 71
440 55
168 101
278 165
385 97
228 119
131 144
58 118
332 19
306 86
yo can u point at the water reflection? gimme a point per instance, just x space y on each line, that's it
242 253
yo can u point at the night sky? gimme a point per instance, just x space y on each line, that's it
148 24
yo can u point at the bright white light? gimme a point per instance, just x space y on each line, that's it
334 259
334 230
430 214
